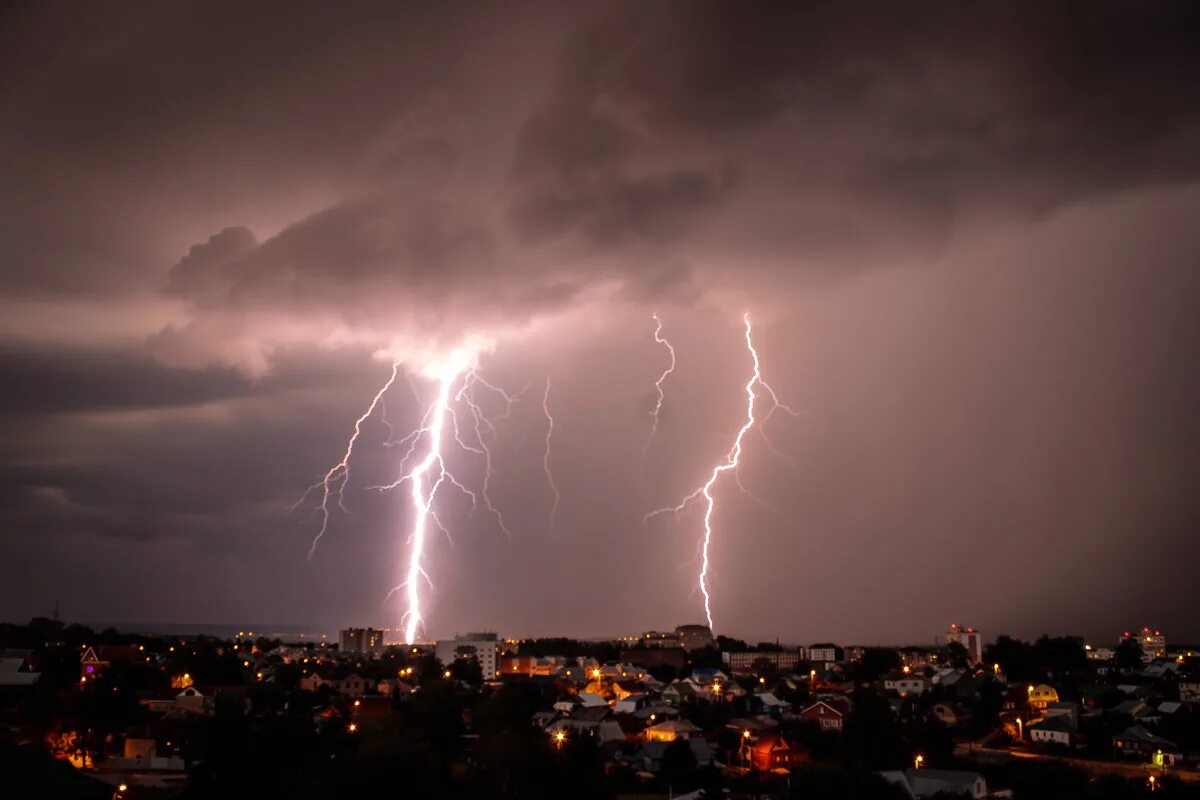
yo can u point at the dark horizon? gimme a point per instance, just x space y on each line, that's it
966 237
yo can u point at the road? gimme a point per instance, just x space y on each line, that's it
969 751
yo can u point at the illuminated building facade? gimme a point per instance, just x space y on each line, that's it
485 647
364 641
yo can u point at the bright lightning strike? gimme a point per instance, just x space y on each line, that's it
731 462
423 475
658 384
546 454
456 378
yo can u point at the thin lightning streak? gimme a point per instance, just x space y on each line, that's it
546 454
477 415
658 384
732 459
339 473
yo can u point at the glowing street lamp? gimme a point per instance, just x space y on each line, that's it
560 736
918 761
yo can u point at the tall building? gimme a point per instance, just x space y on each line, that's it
694 637
365 641
1153 643
485 647
970 639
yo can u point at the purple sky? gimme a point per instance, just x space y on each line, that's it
966 234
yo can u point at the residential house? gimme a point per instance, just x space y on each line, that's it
905 683
829 713
772 752
1040 696
1058 729
630 703
927 782
670 730
767 703
16 669
354 685
1137 742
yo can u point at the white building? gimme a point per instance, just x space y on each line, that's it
970 639
1153 643
823 652
482 646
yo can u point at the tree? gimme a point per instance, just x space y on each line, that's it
1128 654
1014 657
876 661
678 763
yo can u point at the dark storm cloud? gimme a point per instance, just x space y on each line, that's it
941 107
681 132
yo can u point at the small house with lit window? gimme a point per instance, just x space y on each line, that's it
771 752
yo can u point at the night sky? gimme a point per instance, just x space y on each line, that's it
967 235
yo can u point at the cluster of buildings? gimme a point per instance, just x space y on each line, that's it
755 709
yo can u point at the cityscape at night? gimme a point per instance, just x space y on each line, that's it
611 399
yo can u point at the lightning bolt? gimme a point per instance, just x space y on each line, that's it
335 480
456 378
731 462
546 454
419 477
467 395
658 384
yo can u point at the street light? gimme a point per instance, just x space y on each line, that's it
560 736
918 761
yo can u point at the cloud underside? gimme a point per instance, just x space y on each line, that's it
678 144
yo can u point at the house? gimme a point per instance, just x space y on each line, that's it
935 782
679 693
1059 729
1137 742
354 685
830 714
767 703
771 752
16 670
1016 701
904 683
631 703
313 682
1041 695
192 699
670 730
